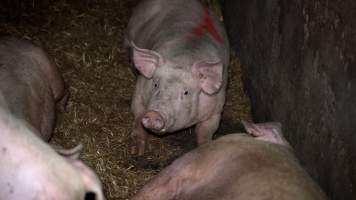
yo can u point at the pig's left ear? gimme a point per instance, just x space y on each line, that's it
146 61
210 75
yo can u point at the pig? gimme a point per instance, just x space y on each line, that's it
236 166
31 169
181 52
31 87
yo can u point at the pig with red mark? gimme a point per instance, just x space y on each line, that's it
181 51
31 87
259 166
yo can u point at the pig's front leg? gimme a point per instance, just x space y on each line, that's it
206 129
139 137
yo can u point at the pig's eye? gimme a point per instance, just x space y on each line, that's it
155 83
186 92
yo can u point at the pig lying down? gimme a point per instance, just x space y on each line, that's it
236 166
181 52
31 169
30 84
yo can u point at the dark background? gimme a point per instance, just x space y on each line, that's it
299 68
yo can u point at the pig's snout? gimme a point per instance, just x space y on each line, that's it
154 121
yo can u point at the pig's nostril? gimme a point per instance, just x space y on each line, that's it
153 120
145 121
159 121
90 196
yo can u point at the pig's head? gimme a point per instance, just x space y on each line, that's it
174 91
91 185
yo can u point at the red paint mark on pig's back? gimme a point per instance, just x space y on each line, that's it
207 25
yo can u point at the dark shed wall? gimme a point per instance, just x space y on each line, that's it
299 68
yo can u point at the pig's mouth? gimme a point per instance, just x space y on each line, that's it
159 132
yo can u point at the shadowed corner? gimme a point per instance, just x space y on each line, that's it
227 126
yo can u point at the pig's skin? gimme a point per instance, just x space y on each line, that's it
31 169
30 88
235 166
30 84
164 29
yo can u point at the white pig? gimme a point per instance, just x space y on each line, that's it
234 167
31 169
181 51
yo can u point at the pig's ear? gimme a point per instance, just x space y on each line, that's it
269 132
146 61
210 75
72 153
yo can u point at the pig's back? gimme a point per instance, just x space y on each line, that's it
26 81
17 74
241 167
154 18
168 28
35 60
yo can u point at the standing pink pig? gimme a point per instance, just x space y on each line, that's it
30 84
181 52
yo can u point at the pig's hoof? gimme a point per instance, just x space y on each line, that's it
147 164
133 150
141 151
138 148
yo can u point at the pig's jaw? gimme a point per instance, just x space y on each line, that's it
159 132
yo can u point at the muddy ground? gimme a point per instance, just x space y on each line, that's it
85 39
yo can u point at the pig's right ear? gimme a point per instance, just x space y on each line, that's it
146 61
210 75
269 131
